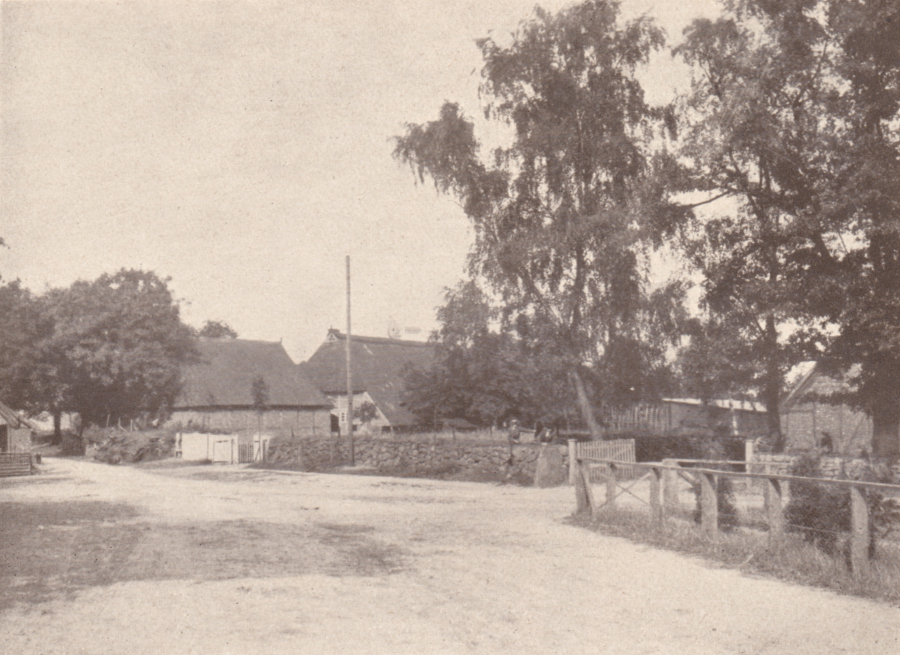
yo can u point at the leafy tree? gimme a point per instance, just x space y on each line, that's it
717 361
475 375
116 347
756 131
217 330
864 193
797 105
365 413
22 326
259 391
555 236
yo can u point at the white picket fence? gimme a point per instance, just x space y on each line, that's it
621 450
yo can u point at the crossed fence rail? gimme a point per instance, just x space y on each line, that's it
668 479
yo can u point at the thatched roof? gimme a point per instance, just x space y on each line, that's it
13 419
817 383
379 367
226 371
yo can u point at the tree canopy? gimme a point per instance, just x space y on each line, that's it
107 349
116 347
753 132
22 327
217 330
556 234
793 115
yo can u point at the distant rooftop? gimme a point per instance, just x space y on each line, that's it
722 403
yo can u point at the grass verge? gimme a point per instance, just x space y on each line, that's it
789 558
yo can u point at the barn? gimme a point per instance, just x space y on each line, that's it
239 385
808 422
690 416
379 367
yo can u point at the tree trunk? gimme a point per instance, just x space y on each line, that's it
584 405
886 432
772 386
57 426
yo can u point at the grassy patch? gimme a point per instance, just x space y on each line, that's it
53 550
790 558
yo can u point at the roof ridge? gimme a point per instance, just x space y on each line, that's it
385 340
232 339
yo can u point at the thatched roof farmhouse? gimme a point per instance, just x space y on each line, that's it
379 367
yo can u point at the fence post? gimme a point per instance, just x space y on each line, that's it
774 507
573 467
709 504
670 488
585 474
610 475
749 446
656 508
859 536
581 489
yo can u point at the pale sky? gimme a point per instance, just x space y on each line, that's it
243 149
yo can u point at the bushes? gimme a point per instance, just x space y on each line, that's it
115 446
656 449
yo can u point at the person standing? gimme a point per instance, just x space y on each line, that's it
513 434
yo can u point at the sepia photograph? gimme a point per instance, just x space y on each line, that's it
450 327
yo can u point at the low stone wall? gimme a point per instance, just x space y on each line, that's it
426 456
830 466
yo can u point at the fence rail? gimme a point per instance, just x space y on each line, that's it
663 497
15 464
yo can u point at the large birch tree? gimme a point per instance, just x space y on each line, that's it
556 236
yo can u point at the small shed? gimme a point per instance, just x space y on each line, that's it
15 431
15 443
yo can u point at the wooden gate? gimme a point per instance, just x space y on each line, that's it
245 453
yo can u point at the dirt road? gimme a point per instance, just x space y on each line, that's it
208 559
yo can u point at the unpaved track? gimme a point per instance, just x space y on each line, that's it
227 560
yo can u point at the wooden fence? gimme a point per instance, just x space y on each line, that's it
15 464
664 496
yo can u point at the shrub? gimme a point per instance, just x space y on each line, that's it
115 446
820 513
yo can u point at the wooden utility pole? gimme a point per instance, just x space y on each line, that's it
349 374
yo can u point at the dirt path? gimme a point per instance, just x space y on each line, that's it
226 560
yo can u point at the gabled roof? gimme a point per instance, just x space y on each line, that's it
818 382
13 419
227 369
379 367
375 362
